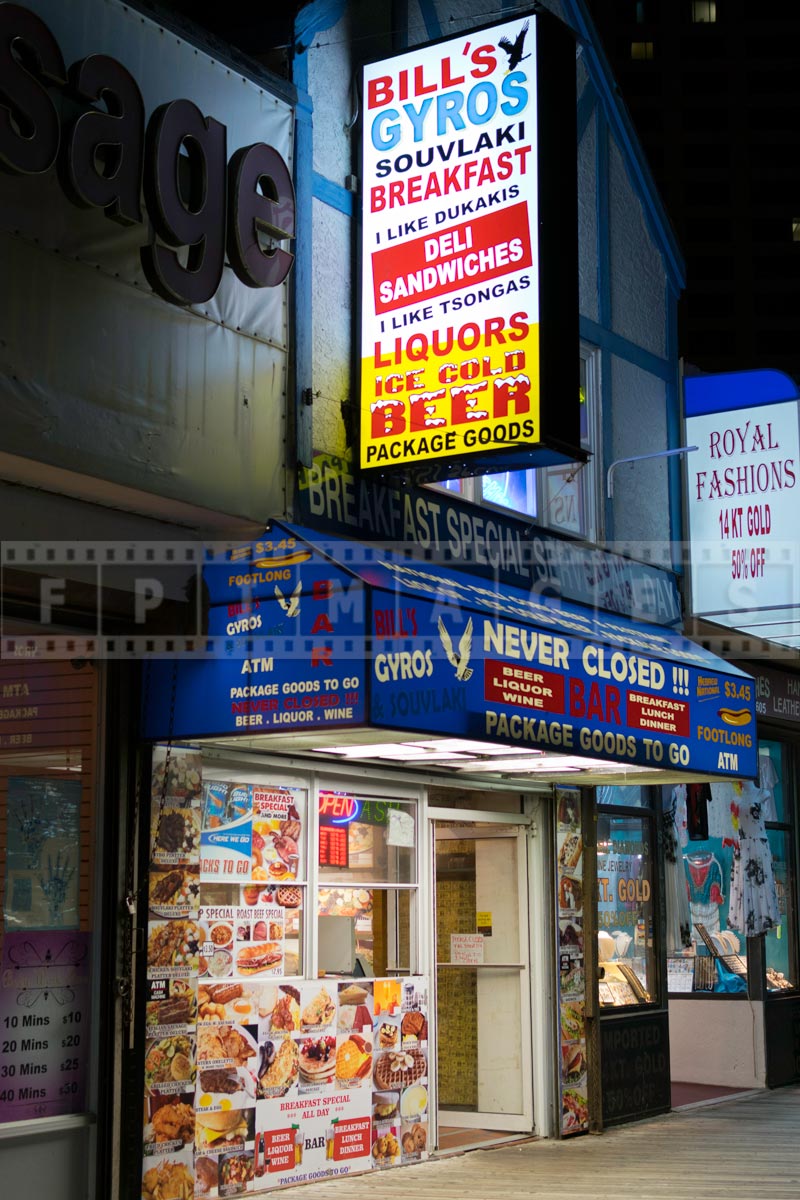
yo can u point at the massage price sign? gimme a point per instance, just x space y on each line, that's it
450 283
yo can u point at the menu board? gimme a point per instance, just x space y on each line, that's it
44 1024
571 963
254 1080
333 846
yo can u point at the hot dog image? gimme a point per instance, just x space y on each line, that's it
734 716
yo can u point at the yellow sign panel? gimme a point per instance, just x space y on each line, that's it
464 392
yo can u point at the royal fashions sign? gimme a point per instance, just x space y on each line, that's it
468 197
742 490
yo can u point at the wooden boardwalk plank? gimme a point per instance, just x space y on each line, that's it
748 1149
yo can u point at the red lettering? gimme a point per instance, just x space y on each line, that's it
449 80
514 392
388 420
379 92
420 86
322 622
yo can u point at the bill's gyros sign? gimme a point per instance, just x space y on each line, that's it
469 324
200 205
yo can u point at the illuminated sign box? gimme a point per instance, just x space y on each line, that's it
469 303
742 484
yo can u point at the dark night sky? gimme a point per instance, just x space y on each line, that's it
717 108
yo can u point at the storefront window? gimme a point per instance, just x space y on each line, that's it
729 877
47 885
771 757
627 797
364 841
249 888
779 948
780 942
366 838
626 952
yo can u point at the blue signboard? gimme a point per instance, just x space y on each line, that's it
287 631
480 674
733 390
320 632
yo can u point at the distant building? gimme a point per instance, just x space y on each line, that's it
714 93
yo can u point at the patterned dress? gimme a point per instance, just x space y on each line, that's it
754 898
679 923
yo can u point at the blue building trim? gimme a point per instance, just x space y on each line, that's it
587 105
430 16
675 466
399 25
321 14
624 133
620 346
603 222
332 194
606 435
302 274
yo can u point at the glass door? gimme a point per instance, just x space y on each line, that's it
482 974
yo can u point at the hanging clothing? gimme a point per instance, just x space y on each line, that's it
697 798
754 898
720 815
679 921
704 874
678 804
767 778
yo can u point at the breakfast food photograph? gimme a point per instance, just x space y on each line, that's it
278 1066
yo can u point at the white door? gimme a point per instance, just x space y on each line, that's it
482 983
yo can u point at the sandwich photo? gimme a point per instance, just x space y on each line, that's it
223 1130
573 1064
261 956
572 1020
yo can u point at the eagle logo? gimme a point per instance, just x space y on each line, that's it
458 660
291 606
514 50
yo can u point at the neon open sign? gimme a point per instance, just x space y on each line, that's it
337 808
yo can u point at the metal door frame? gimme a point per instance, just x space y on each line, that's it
463 823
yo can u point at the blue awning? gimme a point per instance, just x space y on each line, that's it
320 634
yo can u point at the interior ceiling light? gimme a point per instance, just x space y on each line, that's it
484 749
468 757
501 765
455 750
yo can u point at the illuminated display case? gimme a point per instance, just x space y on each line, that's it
625 908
